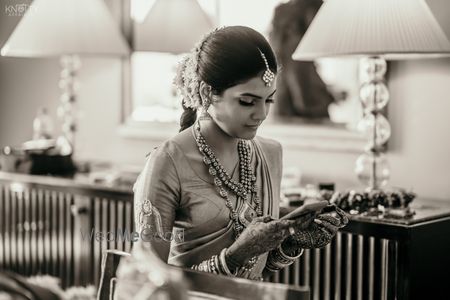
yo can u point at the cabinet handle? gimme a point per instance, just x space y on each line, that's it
78 210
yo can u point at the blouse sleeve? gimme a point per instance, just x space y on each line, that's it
156 196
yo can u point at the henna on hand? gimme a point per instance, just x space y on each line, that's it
319 233
262 235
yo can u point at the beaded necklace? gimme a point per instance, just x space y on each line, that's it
246 187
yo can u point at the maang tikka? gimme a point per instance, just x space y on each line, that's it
268 75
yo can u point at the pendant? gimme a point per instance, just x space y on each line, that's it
246 214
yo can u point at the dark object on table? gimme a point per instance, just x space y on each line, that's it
38 157
394 203
44 164
328 186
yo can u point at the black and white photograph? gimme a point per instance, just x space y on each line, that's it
224 149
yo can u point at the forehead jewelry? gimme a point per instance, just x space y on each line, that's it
268 75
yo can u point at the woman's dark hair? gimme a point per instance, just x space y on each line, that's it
227 57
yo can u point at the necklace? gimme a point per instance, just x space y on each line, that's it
246 187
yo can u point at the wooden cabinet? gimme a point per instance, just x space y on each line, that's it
46 225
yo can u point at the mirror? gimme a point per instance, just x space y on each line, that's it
318 106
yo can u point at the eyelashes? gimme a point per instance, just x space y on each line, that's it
252 102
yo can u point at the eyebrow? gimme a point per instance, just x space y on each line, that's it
256 96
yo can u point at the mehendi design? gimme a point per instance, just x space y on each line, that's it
319 233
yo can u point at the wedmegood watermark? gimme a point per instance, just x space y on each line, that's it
125 235
19 10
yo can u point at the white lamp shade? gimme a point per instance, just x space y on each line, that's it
172 26
394 29
60 27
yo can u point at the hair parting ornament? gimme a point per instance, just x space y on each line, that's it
268 76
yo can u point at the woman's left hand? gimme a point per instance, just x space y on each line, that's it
318 233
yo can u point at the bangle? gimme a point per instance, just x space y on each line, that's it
278 259
285 256
223 263
210 265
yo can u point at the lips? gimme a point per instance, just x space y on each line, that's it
252 126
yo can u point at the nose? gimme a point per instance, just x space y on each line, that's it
260 111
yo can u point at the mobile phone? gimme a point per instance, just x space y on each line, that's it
310 206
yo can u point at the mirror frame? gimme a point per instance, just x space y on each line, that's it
316 137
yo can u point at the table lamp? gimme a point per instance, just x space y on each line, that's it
172 26
66 28
376 31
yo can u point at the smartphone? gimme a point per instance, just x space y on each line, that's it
310 206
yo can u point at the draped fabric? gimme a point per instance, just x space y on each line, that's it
181 198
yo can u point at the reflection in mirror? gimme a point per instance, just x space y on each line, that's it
154 98
306 91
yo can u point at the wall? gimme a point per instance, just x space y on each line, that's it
419 147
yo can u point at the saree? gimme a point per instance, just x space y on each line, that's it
183 200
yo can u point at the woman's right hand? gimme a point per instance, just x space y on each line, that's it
262 235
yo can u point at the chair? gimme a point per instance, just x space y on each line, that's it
110 262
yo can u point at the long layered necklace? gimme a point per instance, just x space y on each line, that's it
246 187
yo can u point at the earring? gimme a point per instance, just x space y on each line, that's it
204 114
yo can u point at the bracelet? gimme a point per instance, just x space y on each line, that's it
217 264
223 263
210 265
278 259
285 256
275 266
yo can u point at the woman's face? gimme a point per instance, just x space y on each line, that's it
242 108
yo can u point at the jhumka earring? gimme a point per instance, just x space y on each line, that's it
268 75
204 114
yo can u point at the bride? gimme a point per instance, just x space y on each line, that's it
215 186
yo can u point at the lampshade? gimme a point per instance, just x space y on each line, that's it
393 29
60 27
173 26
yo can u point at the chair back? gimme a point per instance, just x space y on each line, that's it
110 262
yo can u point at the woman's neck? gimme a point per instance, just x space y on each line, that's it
223 145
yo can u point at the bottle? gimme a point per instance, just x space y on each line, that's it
42 125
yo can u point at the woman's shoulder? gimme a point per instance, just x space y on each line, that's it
269 145
174 147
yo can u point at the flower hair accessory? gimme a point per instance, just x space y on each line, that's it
268 75
187 80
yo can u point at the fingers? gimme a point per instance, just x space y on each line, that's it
334 210
343 215
325 225
331 219
304 222
328 235
338 218
272 227
323 239
308 217
285 224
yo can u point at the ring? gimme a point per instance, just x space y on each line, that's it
291 230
